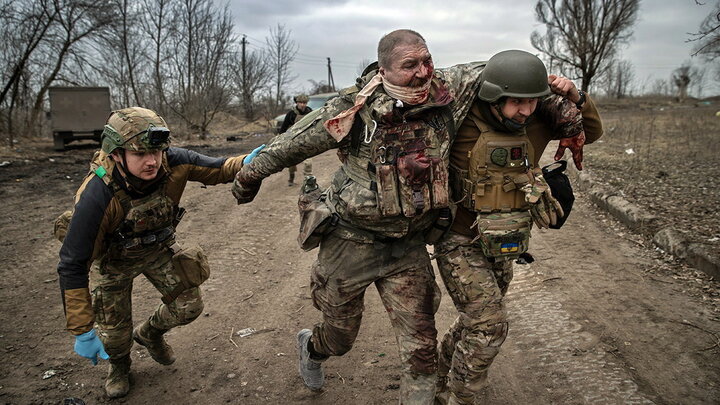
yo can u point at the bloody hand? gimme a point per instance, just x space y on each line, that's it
575 144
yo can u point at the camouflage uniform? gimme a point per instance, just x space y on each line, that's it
476 283
376 241
99 253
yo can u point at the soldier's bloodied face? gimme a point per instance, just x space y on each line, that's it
519 109
144 165
411 66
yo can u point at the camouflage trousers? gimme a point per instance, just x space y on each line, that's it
404 278
477 288
307 170
111 284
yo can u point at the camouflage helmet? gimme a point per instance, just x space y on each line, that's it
513 73
136 129
301 98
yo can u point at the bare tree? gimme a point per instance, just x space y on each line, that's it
660 87
281 52
158 30
618 79
23 26
76 21
708 36
583 36
320 87
682 77
200 80
250 75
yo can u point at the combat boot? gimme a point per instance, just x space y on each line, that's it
152 338
291 180
117 383
310 370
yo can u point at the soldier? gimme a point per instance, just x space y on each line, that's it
389 130
500 190
123 224
300 110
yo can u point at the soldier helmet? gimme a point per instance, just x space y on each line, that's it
301 98
136 129
513 73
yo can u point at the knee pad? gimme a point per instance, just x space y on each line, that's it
188 306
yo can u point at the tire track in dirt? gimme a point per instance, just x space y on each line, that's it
547 336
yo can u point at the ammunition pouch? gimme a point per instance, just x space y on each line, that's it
504 236
440 227
61 225
316 219
560 188
192 269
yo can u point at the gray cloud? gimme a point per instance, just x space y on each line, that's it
456 30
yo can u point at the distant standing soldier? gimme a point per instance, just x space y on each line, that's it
123 225
300 110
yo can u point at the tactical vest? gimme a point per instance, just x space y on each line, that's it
402 161
499 165
298 115
149 222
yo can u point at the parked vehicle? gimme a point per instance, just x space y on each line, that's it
77 113
315 101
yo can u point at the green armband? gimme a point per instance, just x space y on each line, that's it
100 172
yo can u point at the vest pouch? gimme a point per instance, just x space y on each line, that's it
504 236
388 196
62 223
316 219
191 267
415 172
440 197
504 197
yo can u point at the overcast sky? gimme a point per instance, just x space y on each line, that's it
456 31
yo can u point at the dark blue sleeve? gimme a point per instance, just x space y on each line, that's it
77 248
180 156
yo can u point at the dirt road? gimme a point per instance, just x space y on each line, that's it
599 318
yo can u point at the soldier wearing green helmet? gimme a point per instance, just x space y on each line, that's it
300 110
500 193
123 225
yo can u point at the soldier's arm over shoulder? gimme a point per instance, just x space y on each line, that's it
592 123
94 212
305 139
193 166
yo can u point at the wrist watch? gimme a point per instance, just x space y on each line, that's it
580 102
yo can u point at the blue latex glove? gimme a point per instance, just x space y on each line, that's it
88 345
252 154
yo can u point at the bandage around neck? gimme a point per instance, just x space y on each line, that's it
339 126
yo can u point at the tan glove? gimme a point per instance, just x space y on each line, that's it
544 208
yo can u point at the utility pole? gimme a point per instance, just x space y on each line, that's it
331 81
244 84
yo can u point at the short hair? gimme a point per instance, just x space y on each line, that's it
390 41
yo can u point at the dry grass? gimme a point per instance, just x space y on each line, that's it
665 158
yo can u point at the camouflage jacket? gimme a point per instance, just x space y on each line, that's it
308 138
98 214
356 203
